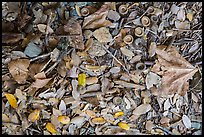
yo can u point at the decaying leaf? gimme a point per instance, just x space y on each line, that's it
102 35
50 127
97 19
64 119
96 49
34 115
175 71
18 69
12 100
142 109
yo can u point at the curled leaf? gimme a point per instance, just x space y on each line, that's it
51 128
124 125
12 100
34 115
64 119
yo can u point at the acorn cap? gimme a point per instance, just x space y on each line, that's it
145 21
154 18
84 11
139 32
151 10
117 100
123 9
128 39
140 66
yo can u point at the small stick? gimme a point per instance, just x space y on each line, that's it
41 56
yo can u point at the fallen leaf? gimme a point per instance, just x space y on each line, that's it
149 125
190 16
118 114
64 119
181 14
127 52
50 127
98 120
44 28
124 125
78 121
82 79
91 80
175 71
152 49
186 121
62 106
152 79
97 19
129 85
142 109
182 25
34 115
5 118
18 69
12 100
11 38
96 49
113 15
102 35
41 80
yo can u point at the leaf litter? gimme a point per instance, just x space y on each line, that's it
94 68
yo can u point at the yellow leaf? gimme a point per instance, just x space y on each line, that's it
34 115
117 114
64 119
98 120
124 125
190 16
12 100
51 128
82 79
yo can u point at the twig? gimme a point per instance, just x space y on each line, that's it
164 129
41 56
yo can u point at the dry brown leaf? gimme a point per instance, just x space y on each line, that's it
142 109
175 71
96 49
102 35
44 28
127 52
129 85
97 19
18 69
34 115
41 80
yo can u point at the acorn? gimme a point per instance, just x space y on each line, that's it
140 66
117 100
128 39
154 18
145 21
123 9
139 32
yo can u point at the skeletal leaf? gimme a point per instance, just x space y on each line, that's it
50 127
64 119
186 121
12 100
124 125
34 115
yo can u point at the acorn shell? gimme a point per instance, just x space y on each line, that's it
145 21
123 9
139 32
128 39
